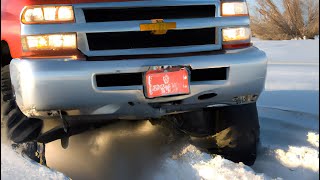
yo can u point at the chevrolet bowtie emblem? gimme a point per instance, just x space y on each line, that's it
158 26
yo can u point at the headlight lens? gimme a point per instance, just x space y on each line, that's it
47 14
49 42
236 34
234 9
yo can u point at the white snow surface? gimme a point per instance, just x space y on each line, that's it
16 167
289 149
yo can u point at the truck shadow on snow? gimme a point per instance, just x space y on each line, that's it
124 150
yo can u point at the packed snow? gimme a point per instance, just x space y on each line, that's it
16 167
289 148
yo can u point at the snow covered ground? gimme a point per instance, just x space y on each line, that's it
289 110
289 149
16 167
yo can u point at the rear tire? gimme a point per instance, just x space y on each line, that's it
19 128
232 131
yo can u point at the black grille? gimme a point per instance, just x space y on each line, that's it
144 39
147 13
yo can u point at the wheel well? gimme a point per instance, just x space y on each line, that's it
5 54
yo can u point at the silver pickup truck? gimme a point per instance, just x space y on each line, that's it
187 62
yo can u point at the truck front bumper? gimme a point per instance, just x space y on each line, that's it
45 87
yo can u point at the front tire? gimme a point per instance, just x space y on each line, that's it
19 128
232 131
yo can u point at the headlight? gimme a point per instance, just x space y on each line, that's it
47 14
234 9
236 34
49 42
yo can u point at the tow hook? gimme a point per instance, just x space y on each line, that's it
66 127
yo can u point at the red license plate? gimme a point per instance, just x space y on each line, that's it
172 81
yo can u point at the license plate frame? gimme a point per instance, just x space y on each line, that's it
179 84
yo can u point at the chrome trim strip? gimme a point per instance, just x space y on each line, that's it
79 16
148 3
82 42
124 26
158 50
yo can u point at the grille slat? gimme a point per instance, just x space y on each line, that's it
133 40
147 13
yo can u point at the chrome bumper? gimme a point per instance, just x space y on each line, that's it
43 87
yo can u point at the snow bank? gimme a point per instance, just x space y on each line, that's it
295 157
313 139
14 166
193 164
